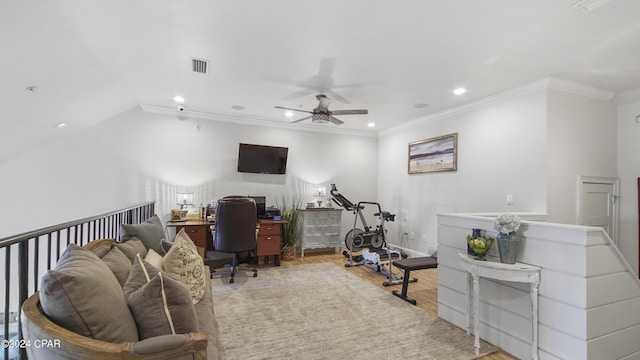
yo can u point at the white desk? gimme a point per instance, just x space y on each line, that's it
517 272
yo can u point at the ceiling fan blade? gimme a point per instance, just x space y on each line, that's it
303 119
349 112
299 94
286 108
335 121
337 96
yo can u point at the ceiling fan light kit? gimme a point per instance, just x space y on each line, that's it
322 115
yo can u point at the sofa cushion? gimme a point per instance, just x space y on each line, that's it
132 247
82 295
207 320
183 262
119 264
163 306
150 232
101 251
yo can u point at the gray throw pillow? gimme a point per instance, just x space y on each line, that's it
150 232
131 248
141 273
119 264
82 295
163 307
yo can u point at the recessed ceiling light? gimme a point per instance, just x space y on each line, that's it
288 113
178 99
371 124
30 89
60 125
460 91
238 107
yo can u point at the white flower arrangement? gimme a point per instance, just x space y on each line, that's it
507 223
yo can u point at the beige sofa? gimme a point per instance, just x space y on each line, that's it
38 325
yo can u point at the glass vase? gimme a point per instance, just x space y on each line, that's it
508 247
475 233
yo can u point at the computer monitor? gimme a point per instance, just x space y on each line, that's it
261 205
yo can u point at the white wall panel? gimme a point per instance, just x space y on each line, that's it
609 318
607 289
588 297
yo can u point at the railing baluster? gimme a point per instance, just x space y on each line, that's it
7 285
36 264
49 235
23 284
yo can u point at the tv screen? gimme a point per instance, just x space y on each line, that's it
261 159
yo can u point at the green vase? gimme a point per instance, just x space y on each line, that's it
508 247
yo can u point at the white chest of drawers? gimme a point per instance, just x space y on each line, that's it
320 228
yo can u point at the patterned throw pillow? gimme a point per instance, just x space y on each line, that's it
183 262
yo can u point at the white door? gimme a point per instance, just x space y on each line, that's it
597 204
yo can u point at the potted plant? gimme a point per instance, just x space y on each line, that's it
290 235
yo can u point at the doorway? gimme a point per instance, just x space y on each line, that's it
598 204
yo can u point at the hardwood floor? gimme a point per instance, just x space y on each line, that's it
424 291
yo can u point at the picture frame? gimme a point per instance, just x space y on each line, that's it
433 155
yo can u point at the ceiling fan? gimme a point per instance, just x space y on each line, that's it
322 114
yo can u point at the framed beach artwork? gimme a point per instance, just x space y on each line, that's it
435 154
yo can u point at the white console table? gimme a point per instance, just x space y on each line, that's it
517 272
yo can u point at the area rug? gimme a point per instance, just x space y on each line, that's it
322 311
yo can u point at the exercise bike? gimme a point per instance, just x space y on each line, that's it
368 239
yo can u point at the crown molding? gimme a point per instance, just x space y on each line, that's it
580 89
532 87
252 120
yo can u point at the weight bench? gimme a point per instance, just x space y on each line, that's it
417 263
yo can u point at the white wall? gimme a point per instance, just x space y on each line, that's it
137 156
628 172
501 150
581 140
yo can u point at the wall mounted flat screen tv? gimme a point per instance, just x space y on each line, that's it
262 159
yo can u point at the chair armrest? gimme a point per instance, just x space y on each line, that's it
69 345
189 346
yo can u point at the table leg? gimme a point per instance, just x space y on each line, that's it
468 303
534 321
476 317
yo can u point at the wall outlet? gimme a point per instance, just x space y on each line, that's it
509 199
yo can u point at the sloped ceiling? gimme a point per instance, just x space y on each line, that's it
89 60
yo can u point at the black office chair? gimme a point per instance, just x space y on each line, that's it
235 230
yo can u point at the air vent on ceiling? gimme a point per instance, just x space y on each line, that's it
199 66
587 6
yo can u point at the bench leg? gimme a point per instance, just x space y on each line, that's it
405 287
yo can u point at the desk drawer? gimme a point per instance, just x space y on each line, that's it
198 234
270 229
268 245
